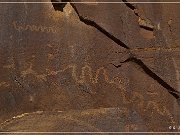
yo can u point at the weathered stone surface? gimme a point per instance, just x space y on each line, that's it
92 120
99 58
145 28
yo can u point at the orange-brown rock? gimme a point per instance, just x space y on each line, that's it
107 67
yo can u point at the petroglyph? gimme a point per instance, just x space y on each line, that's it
19 116
32 72
34 28
151 105
87 71
70 116
10 66
155 49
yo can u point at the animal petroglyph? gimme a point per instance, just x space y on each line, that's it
87 71
88 75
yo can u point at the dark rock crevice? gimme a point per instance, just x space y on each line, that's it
149 72
98 27
170 27
132 58
143 21
131 6
91 23
59 5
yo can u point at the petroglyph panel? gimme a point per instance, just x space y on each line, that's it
53 61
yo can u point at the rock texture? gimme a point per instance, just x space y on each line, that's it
97 67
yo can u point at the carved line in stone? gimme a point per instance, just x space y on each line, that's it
34 28
68 117
87 70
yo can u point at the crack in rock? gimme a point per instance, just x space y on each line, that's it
143 21
170 27
144 24
93 24
98 27
139 62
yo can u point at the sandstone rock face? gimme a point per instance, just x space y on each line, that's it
89 67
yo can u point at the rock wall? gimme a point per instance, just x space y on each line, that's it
99 67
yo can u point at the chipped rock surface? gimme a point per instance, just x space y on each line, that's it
89 67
